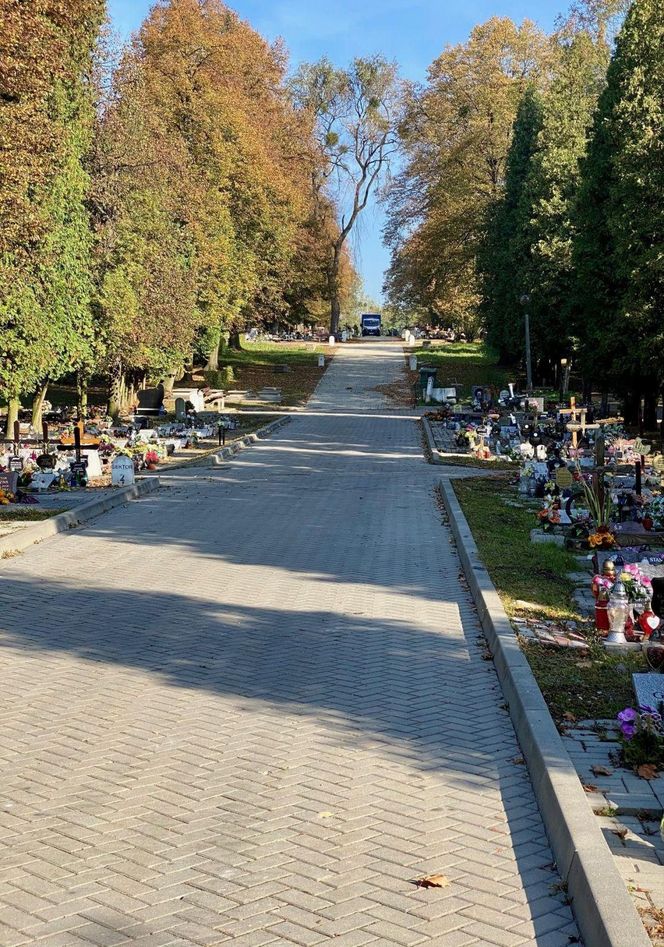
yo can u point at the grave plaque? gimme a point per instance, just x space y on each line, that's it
16 463
122 471
564 478
649 689
8 481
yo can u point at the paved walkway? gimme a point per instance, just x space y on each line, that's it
252 709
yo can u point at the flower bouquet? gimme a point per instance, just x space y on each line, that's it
642 737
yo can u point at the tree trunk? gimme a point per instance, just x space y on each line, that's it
650 410
38 406
12 416
82 394
116 393
632 408
333 288
234 340
213 357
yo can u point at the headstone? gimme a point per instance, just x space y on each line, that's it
331 340
8 481
16 463
122 471
649 689
180 409
412 363
321 361
42 480
94 464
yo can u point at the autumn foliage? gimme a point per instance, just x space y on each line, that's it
187 171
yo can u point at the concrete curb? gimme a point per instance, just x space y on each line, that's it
602 905
24 538
434 453
221 456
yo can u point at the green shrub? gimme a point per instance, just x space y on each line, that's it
219 377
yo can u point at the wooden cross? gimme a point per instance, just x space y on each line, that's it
575 425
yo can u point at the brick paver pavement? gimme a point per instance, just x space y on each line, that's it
252 709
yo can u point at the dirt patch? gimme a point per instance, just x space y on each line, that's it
398 393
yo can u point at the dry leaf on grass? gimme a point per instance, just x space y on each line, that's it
432 881
647 771
569 717
601 771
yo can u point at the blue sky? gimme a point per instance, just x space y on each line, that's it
411 31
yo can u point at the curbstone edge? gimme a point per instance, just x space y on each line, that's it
602 905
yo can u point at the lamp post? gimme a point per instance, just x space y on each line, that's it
525 302
563 378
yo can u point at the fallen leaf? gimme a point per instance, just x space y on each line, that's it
518 761
601 771
647 771
433 881
325 815
588 787
620 831
570 717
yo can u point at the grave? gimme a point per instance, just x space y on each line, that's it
150 401
8 481
649 690
122 471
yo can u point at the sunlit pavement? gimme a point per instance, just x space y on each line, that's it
252 709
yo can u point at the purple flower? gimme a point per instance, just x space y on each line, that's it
628 730
627 715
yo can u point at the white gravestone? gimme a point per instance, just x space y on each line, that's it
649 689
122 471
94 464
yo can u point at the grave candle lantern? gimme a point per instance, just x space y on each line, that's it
618 612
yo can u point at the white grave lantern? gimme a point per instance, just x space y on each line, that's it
122 471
